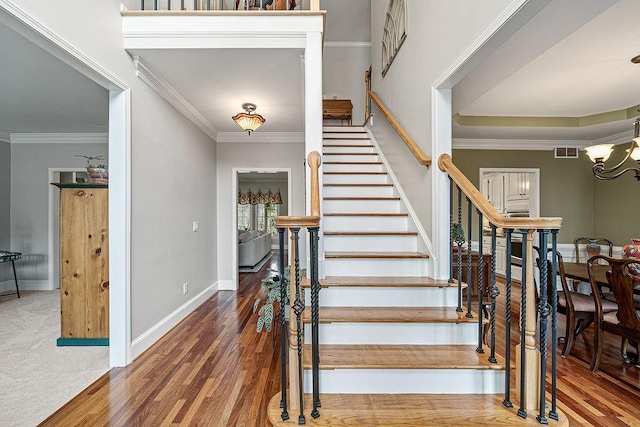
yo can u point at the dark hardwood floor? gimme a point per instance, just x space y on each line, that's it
213 369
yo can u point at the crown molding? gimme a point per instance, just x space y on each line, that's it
59 138
358 45
619 138
515 144
27 26
261 137
5 136
169 94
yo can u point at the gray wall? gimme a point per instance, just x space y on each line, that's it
568 189
252 156
5 213
30 186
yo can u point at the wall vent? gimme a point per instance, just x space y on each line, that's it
566 152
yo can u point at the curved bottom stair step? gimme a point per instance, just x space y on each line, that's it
409 410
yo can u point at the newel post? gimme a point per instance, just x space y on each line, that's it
314 160
531 362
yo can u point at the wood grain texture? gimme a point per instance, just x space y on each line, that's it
195 369
84 263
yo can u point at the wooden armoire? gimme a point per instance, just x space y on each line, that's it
84 264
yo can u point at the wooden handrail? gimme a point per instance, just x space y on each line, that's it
422 158
314 160
482 204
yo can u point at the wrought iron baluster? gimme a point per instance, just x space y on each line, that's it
155 4
298 309
469 257
284 299
544 310
450 230
479 349
493 293
553 413
523 328
182 5
141 4
459 237
507 357
315 317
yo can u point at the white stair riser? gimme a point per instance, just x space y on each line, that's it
364 223
358 191
376 267
328 148
363 141
355 158
396 381
395 333
365 296
326 167
361 206
371 243
355 179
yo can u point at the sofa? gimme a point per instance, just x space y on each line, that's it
253 246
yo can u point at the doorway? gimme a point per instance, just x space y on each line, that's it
257 216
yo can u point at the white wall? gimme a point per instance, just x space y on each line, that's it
343 71
252 156
5 191
438 33
173 170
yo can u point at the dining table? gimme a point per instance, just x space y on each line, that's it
578 271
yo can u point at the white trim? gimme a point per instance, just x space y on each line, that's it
260 137
5 137
27 26
157 331
52 194
59 138
226 285
24 285
120 346
619 138
169 94
517 144
233 284
357 45
412 213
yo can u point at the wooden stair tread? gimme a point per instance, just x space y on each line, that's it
362 198
409 410
391 281
390 315
366 214
357 185
370 233
336 356
345 138
354 173
380 255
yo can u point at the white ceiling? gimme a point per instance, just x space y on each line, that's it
571 60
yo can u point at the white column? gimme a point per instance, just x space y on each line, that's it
312 104
441 144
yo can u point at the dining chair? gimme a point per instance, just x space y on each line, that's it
578 308
592 246
625 321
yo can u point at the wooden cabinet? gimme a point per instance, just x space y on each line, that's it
84 264
495 191
517 192
501 252
337 109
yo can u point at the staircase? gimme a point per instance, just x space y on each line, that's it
393 349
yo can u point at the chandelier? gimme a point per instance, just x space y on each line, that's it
600 153
249 121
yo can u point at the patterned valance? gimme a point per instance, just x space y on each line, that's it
258 198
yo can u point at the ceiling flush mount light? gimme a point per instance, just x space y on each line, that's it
600 153
248 120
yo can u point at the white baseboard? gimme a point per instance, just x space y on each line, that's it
157 331
25 285
226 285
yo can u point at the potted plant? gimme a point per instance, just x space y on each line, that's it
271 288
457 234
98 171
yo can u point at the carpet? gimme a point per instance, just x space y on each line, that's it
36 376
258 266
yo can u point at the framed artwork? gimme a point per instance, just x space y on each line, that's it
395 32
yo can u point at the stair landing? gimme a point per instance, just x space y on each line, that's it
409 410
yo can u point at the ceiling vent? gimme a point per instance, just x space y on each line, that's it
566 152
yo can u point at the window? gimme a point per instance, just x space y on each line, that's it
267 214
244 217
